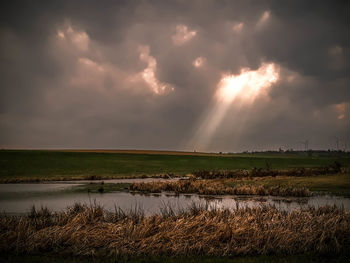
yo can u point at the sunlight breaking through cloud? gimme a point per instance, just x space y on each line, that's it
234 91
246 86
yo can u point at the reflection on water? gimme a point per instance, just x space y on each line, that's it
130 180
18 198
22 188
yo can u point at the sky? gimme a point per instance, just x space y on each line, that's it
203 75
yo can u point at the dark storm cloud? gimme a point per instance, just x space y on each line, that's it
79 74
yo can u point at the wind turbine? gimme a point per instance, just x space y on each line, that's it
305 143
337 140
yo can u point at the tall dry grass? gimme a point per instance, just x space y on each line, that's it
210 187
83 230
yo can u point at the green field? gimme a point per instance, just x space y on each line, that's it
49 165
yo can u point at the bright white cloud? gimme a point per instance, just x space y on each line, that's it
79 39
198 62
61 34
93 71
90 64
89 74
341 110
149 73
247 85
264 18
183 35
238 27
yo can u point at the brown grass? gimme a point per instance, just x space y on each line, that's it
210 187
82 230
260 172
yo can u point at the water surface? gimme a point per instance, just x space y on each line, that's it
19 198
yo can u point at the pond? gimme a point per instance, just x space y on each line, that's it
19 198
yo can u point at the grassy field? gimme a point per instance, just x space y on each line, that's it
52 165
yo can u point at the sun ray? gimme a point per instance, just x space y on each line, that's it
239 91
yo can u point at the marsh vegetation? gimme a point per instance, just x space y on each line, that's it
90 230
209 187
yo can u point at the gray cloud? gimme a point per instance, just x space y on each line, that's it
72 75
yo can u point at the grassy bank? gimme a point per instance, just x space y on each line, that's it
18 166
94 232
335 184
333 168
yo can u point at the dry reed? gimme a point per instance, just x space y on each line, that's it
83 230
209 187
